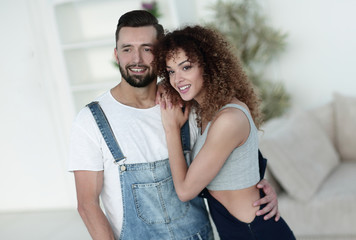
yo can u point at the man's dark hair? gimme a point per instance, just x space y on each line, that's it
138 18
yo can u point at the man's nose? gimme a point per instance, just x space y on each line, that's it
137 57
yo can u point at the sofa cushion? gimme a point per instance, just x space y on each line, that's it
332 210
345 114
300 154
273 181
325 116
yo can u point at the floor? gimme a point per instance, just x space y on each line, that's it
63 225
46 225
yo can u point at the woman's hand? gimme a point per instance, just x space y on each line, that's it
162 93
173 116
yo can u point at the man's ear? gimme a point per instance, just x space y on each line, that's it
115 55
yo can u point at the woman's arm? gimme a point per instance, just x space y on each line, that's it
229 129
187 188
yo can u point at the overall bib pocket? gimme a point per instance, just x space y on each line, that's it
158 203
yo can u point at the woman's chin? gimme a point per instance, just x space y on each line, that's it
185 98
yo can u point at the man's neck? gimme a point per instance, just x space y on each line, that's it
135 97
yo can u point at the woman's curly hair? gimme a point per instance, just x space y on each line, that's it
223 77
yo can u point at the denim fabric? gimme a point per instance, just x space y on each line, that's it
152 209
106 130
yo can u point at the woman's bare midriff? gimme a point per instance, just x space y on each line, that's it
239 202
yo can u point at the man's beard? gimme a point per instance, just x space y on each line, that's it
137 80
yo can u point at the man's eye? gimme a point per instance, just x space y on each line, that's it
126 50
147 49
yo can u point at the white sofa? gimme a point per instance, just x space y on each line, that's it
312 163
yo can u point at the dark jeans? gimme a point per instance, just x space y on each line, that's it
230 228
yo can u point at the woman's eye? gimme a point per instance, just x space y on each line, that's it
185 68
170 72
147 49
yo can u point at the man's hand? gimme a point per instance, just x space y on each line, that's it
270 199
160 92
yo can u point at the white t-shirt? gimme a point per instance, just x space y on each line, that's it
140 135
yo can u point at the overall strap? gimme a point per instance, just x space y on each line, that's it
106 131
185 135
110 139
262 162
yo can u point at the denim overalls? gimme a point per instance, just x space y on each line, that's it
152 209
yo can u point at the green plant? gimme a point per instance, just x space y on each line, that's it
151 7
256 44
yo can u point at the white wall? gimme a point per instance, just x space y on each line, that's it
321 50
320 58
36 108
34 127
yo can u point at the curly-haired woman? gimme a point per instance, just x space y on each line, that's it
198 64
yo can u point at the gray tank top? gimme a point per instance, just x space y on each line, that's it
241 169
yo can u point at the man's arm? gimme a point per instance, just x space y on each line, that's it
89 185
270 199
